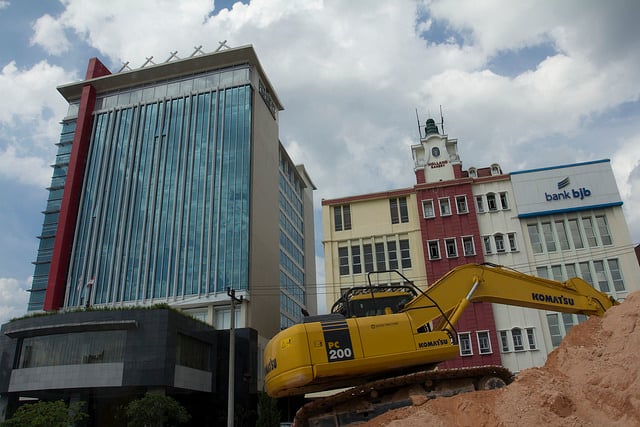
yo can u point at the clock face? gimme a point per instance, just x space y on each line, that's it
435 151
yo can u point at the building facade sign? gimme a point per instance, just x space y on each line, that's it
565 188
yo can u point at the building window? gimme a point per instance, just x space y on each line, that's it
534 236
504 342
547 232
73 348
484 343
554 329
504 201
461 204
616 275
479 204
469 247
512 242
380 257
342 217
343 261
473 173
495 170
452 248
603 229
556 271
575 234
491 202
464 339
601 277
486 242
499 238
367 250
356 260
562 235
434 249
398 209
587 224
192 353
531 339
516 336
405 254
585 272
542 272
427 209
445 206
393 255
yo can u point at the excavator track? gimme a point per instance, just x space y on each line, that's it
366 401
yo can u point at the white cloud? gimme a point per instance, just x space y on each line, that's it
30 94
30 170
13 298
4 4
626 168
49 33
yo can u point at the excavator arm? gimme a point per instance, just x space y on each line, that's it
448 297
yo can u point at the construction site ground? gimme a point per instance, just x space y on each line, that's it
591 379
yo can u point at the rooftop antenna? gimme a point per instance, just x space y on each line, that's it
442 121
418 120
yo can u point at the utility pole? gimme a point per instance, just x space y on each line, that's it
232 356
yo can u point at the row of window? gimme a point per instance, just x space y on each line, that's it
444 206
604 275
377 256
569 233
513 340
451 247
499 243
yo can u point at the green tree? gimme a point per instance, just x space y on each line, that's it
268 412
156 410
47 414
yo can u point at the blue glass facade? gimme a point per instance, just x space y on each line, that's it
51 212
165 204
292 262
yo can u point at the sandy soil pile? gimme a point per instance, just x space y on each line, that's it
591 379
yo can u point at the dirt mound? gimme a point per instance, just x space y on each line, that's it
591 379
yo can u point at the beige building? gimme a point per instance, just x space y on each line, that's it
372 232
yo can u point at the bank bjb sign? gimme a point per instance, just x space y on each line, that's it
566 194
566 188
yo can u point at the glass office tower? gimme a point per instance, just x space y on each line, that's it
171 186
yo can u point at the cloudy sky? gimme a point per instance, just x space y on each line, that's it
525 84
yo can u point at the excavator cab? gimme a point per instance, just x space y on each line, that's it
363 301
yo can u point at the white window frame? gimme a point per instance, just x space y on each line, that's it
436 244
480 204
492 202
426 203
499 241
447 242
444 201
469 239
503 336
466 337
513 243
504 200
484 334
517 339
531 338
486 245
462 199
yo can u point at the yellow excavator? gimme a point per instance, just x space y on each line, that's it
381 339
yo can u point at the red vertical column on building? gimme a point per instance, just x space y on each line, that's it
54 297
